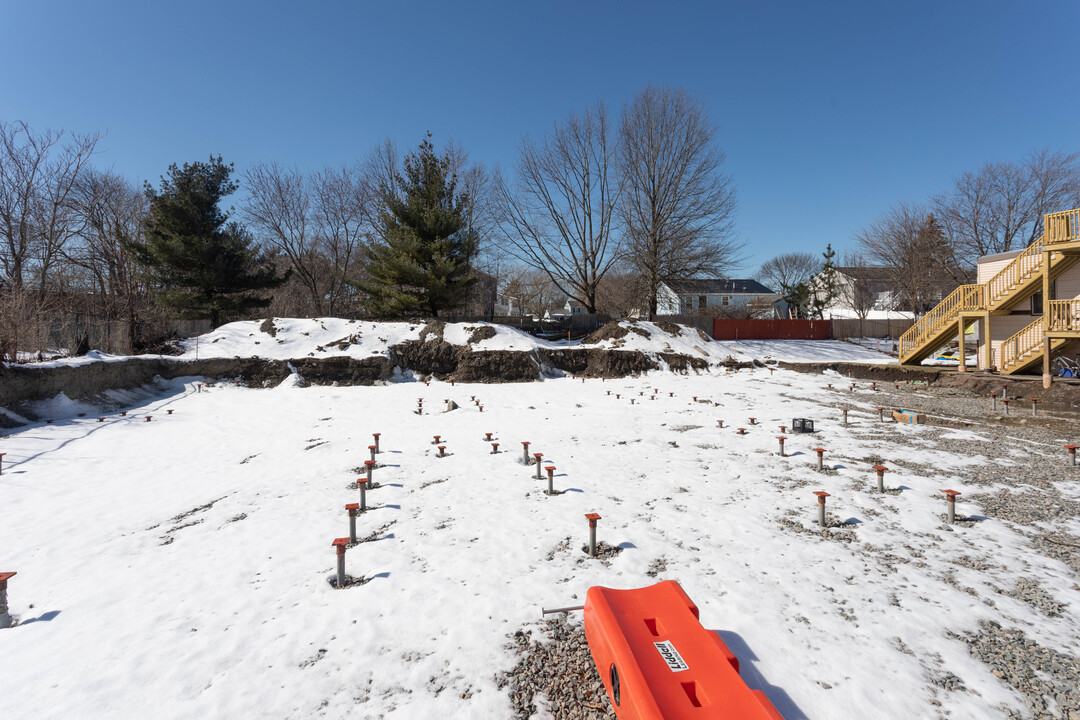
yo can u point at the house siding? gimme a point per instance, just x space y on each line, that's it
987 270
1067 285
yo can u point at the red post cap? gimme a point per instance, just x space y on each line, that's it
592 518
819 451
375 435
352 508
781 438
1070 448
371 447
538 455
752 420
340 544
494 446
525 442
879 407
821 495
369 462
549 468
951 494
880 468
5 576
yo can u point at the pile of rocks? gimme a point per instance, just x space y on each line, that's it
558 673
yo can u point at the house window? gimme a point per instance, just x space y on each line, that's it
1037 299
702 301
724 300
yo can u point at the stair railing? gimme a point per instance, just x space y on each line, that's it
1015 349
963 298
999 287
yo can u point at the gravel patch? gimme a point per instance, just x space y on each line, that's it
1048 680
557 671
1030 592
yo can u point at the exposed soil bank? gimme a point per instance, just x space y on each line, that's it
26 383
1062 393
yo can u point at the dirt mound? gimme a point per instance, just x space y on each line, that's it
669 327
268 327
344 370
484 332
608 331
497 366
597 362
435 328
683 363
431 357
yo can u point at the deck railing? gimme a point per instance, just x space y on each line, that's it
962 299
1023 265
1062 226
1016 349
1064 315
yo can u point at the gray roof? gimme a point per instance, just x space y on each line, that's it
870 273
717 287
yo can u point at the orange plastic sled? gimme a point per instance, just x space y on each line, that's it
658 662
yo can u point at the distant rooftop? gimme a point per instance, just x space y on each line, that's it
718 287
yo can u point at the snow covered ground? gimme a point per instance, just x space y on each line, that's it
179 568
329 337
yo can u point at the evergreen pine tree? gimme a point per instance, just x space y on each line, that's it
422 263
824 285
202 264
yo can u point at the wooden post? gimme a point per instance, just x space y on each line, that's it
1047 377
963 348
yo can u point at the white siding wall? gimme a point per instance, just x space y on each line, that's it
1003 327
1067 285
987 270
667 303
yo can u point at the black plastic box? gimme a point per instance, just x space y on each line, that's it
802 425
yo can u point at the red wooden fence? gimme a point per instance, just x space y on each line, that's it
771 329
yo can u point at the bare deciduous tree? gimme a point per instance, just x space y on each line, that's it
113 212
677 204
1000 207
317 222
532 291
278 209
342 203
559 217
37 178
785 273
911 244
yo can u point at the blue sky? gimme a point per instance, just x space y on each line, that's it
828 112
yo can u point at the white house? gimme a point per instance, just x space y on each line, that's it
716 296
863 291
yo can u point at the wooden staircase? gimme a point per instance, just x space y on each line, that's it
1024 350
1016 282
